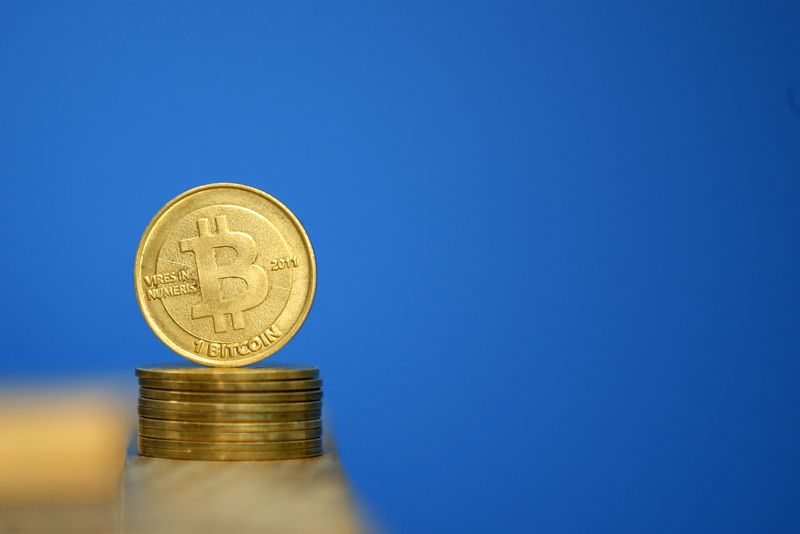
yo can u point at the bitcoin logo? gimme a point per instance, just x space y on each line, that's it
211 274
225 275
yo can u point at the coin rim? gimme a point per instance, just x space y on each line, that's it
230 374
218 417
230 407
274 347
231 456
235 446
267 397
216 386
231 437
243 427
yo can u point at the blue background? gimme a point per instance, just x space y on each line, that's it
557 241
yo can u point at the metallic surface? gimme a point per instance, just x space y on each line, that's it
225 275
176 454
232 437
250 446
193 396
211 427
264 385
249 374
227 417
230 407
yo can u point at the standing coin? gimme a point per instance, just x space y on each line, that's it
225 275
199 396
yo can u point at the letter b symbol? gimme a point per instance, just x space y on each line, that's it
210 274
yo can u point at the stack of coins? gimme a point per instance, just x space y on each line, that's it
262 413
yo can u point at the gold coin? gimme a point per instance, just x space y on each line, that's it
197 426
230 408
231 437
227 417
176 454
225 275
156 443
192 396
265 385
248 374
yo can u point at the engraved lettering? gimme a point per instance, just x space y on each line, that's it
232 350
283 263
155 290
273 333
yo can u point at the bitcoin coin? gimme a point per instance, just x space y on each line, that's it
232 437
225 275
156 443
230 408
227 417
250 374
265 385
178 454
199 426
193 396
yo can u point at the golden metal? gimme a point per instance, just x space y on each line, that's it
230 408
197 426
230 374
225 275
265 385
192 396
231 437
259 446
176 454
227 417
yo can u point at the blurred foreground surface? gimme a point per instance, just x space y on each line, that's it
290 496
63 469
